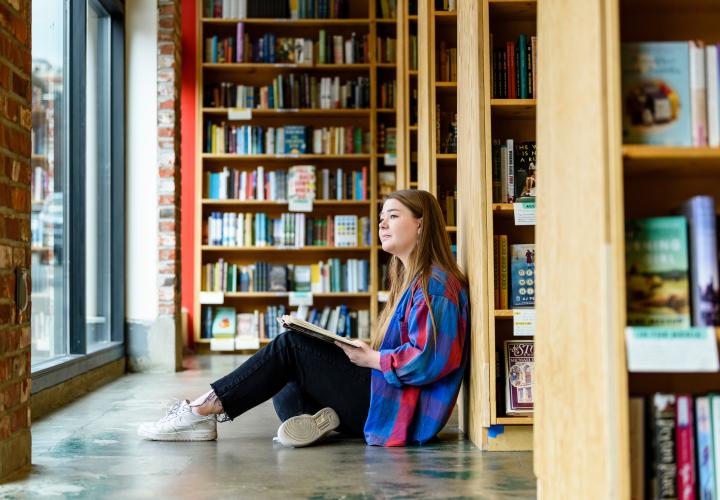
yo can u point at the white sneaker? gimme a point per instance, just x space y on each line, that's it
180 424
304 430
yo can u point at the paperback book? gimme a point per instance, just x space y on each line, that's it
301 326
519 376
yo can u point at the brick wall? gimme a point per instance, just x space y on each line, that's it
15 125
168 82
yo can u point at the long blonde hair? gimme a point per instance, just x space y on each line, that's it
432 248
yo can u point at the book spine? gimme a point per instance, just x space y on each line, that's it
663 479
503 271
684 436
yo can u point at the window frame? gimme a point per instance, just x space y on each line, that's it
79 360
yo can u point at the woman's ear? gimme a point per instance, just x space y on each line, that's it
419 227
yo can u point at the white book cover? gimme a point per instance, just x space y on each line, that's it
346 230
348 52
260 187
243 9
711 84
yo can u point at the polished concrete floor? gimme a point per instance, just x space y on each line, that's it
89 449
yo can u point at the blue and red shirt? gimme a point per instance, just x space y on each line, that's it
414 393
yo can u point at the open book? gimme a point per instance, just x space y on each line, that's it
302 326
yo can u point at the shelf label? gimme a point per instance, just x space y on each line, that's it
212 298
222 344
653 349
299 205
390 159
239 114
524 213
300 298
524 322
247 342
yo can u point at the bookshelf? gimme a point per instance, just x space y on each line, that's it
379 112
582 354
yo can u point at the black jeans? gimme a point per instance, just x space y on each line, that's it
302 375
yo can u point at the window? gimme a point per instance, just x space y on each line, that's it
78 212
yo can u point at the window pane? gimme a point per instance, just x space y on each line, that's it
49 256
97 179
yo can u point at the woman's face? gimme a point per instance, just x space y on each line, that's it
398 230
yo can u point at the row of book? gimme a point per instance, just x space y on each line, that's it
386 50
289 139
514 69
278 185
291 91
226 322
513 170
386 94
276 9
331 275
269 49
670 93
675 446
448 205
446 5
447 63
514 273
386 9
387 139
671 266
446 131
289 230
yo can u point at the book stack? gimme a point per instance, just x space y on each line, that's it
672 267
292 91
290 139
670 93
329 276
513 170
290 230
675 446
514 69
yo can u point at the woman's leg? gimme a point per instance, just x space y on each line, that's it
291 401
320 370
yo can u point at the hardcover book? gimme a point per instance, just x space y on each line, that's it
519 376
656 93
702 232
224 322
295 139
301 326
522 270
656 262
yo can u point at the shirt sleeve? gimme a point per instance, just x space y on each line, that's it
429 354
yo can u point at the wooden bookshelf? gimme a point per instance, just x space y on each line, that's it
580 329
364 20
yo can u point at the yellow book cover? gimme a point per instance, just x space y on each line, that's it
503 271
315 278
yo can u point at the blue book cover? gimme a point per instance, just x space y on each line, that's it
656 93
295 139
224 322
705 454
522 270
702 237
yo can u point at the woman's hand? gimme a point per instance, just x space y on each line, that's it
362 355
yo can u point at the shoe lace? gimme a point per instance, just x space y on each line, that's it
173 411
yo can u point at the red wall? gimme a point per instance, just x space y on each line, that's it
187 159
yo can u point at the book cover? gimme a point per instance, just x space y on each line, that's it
224 322
386 183
295 139
663 462
656 93
525 170
278 277
302 278
684 436
705 454
656 264
301 183
522 271
702 239
519 376
346 230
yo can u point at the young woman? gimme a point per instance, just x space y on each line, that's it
399 390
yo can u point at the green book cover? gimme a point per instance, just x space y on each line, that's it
656 265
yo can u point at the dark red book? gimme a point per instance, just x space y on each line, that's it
511 89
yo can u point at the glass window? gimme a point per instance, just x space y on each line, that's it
97 178
49 182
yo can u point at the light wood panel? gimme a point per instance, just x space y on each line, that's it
472 222
426 96
580 352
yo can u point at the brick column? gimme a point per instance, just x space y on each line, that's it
168 85
15 126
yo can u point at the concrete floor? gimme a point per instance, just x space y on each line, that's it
89 449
